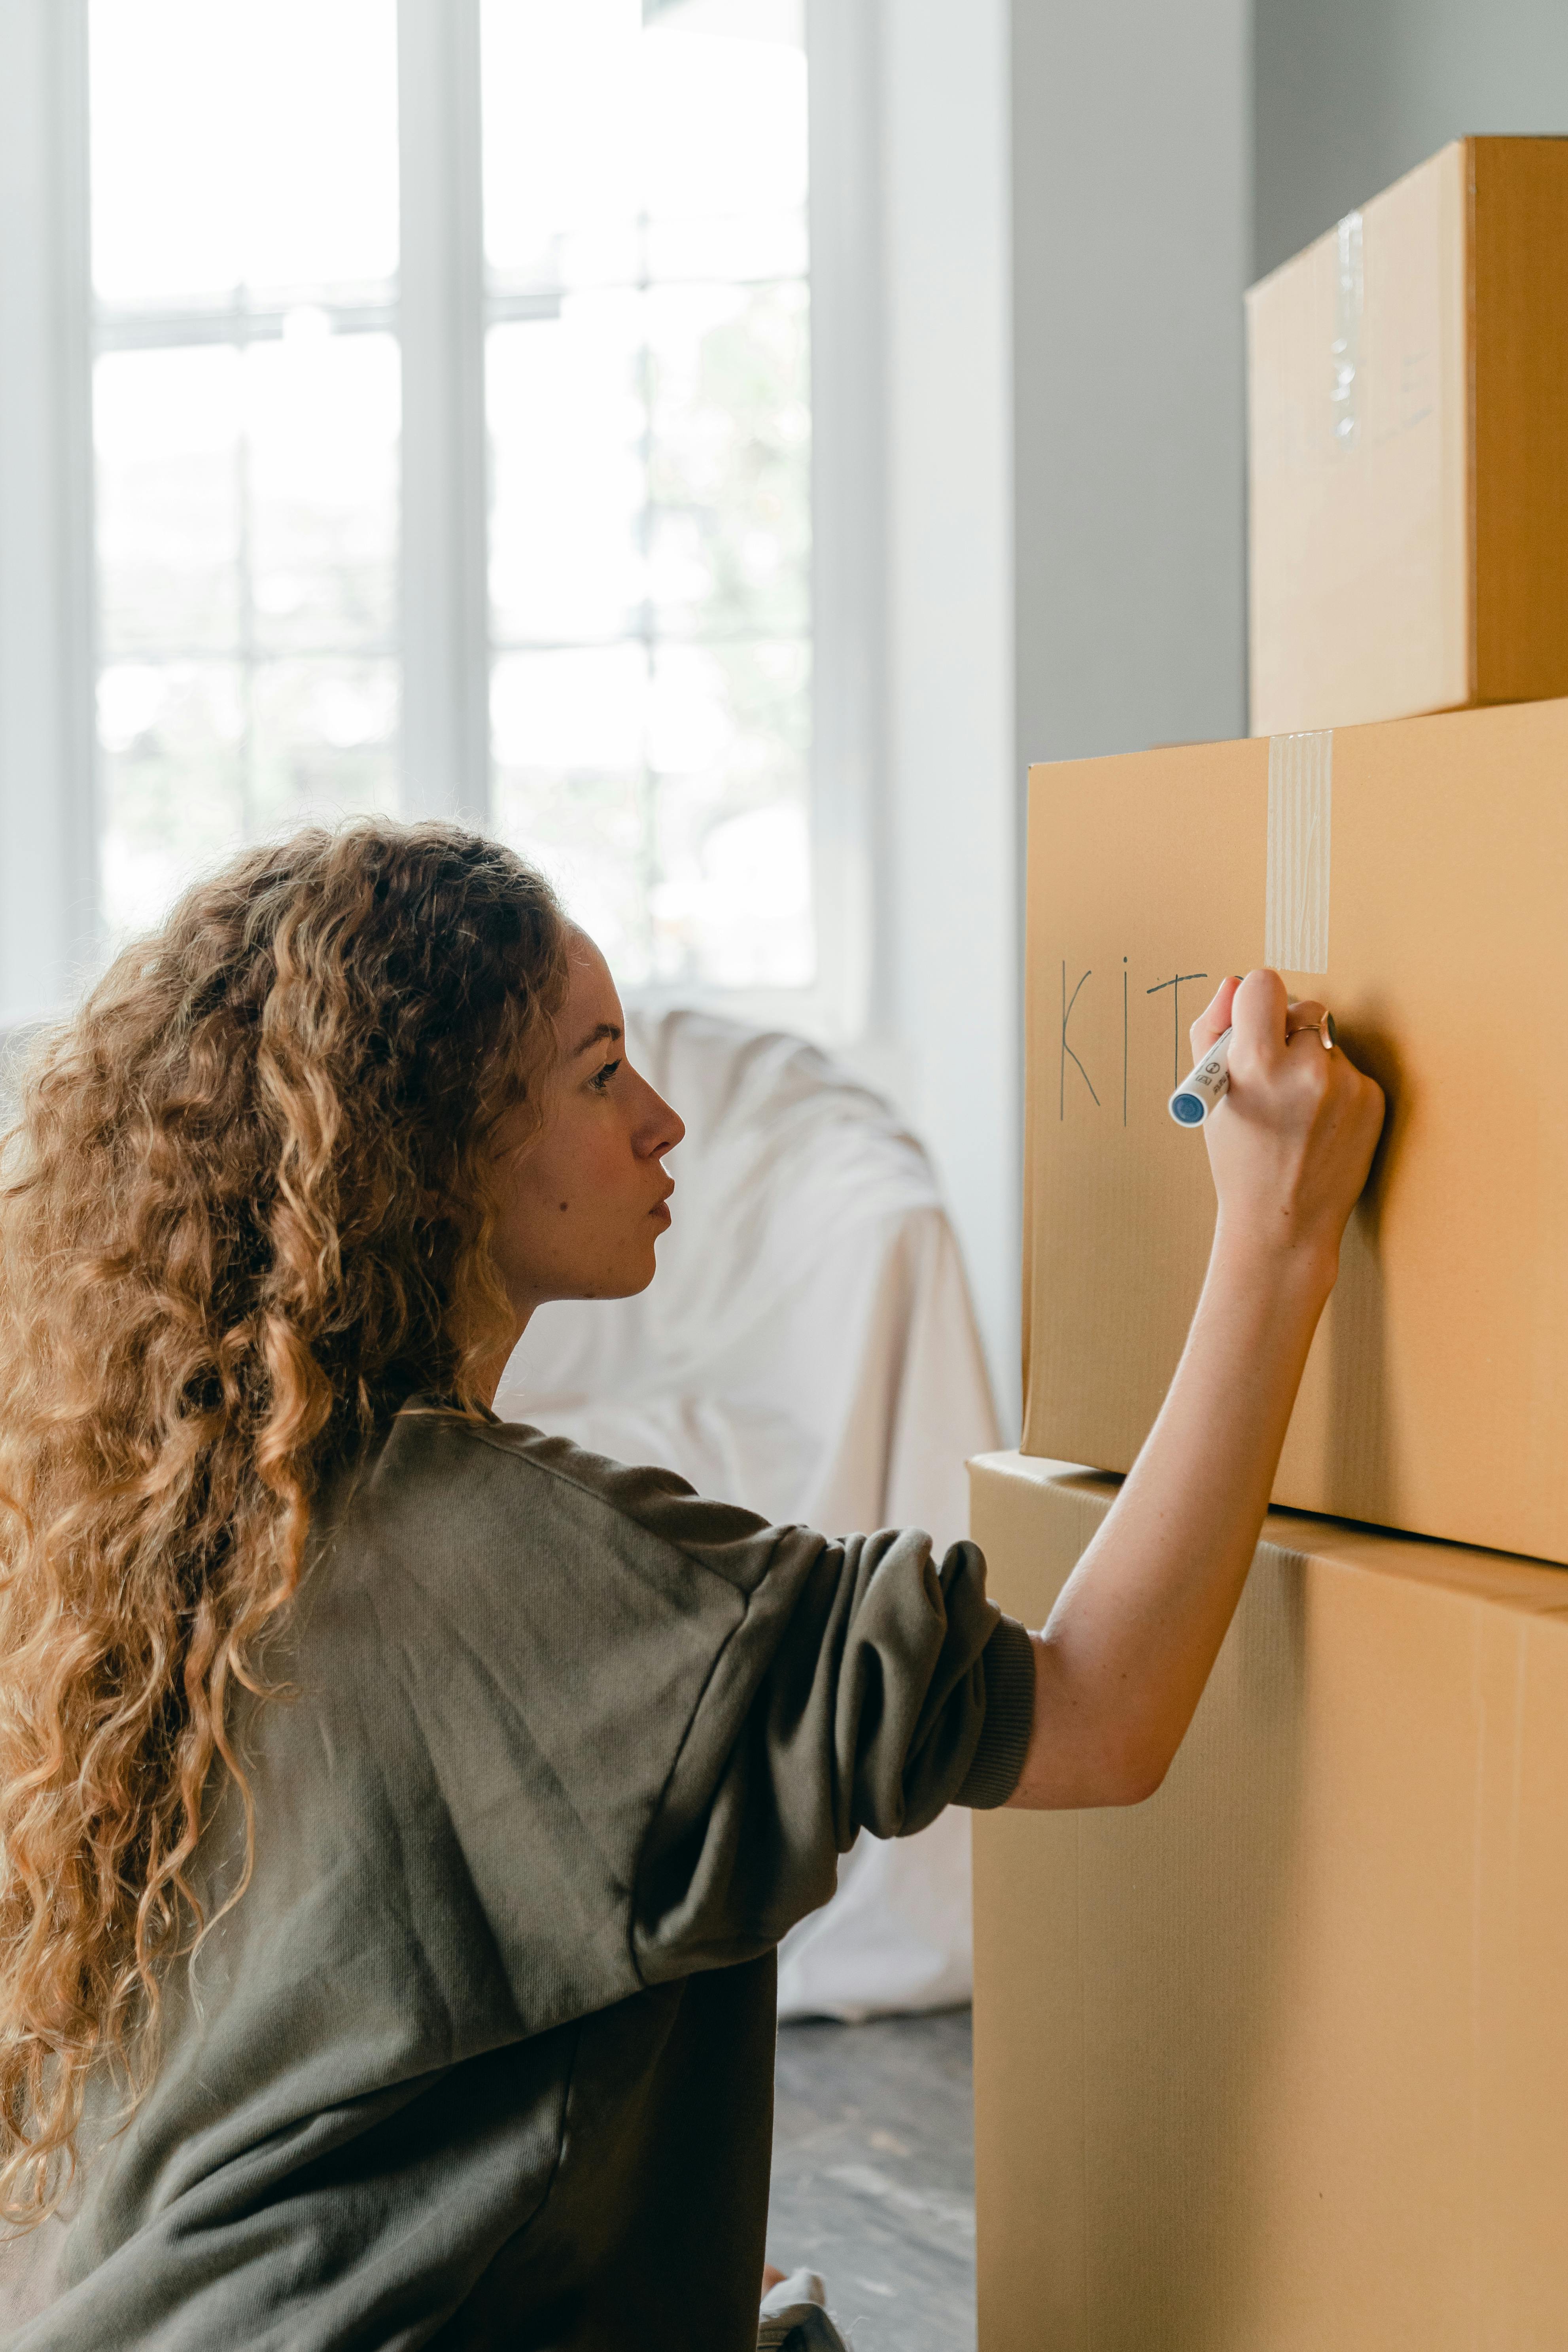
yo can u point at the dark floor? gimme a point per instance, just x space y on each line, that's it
874 2176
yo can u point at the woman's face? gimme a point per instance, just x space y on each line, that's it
583 1198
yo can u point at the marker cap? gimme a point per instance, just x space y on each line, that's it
1203 1086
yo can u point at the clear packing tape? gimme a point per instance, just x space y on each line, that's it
1350 303
1296 892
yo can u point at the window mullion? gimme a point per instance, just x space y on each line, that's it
445 604
48 737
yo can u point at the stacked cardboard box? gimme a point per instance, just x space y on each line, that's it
1408 447
1280 2059
1436 925
1279 2062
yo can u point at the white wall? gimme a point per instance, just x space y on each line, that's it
1067 204
949 981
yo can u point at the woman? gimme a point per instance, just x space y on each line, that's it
399 1810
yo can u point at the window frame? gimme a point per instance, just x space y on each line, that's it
48 838
51 929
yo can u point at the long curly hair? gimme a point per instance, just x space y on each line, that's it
245 1215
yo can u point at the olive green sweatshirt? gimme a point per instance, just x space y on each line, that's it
483 2056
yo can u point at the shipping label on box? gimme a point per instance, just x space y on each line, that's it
1416 877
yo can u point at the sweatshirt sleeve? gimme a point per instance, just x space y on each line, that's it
866 1687
652 1721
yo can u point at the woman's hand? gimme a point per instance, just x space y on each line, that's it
1292 1141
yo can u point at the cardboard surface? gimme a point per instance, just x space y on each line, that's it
1408 448
1280 2059
1435 1398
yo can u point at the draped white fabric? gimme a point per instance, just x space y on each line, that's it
810 1349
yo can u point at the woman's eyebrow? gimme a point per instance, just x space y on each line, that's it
605 1030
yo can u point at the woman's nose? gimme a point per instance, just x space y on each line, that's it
672 1128
660 1126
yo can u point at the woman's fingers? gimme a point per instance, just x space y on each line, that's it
1215 1018
1260 1011
1266 1017
1292 1144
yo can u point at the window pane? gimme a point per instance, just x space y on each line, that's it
612 152
571 786
675 420
242 142
728 748
667 797
244 158
750 249
200 756
171 780
649 408
273 469
723 119
730 480
323 427
568 416
323 742
560 138
167 426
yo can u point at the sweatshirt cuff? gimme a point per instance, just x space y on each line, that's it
1008 1659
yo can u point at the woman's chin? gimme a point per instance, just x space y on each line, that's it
635 1280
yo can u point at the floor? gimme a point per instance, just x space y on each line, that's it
874 2176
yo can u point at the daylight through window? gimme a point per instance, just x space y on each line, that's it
648 452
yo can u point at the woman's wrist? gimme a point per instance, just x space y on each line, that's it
1296 1268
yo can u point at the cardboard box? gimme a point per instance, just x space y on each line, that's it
1416 877
1408 448
1278 2061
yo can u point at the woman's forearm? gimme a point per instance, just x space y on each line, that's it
1123 1661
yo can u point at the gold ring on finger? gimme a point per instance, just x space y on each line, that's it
1327 1036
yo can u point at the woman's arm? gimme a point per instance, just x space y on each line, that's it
1123 1661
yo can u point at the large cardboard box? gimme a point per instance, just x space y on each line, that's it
1415 877
1408 448
1278 2061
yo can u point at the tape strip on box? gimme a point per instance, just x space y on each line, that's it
1349 303
1300 800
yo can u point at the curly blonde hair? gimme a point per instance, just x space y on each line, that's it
245 1215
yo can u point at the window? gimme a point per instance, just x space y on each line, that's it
246 401
644 523
649 410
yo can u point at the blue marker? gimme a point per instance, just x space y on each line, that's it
1203 1088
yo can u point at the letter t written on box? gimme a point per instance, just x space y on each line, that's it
1175 985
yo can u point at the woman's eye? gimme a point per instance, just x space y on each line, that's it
601 1078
